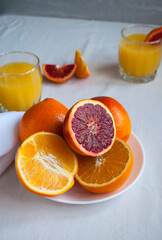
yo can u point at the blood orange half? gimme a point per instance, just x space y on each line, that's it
89 128
154 35
58 74
121 117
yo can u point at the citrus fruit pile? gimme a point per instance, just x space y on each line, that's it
86 143
63 73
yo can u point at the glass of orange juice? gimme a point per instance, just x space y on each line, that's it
138 60
20 81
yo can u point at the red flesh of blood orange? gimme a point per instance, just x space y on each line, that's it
59 74
89 128
154 35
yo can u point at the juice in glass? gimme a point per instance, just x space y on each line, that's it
139 60
20 81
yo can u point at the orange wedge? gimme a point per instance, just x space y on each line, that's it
59 74
108 172
45 165
82 69
154 35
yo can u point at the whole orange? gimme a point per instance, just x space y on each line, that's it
121 117
47 115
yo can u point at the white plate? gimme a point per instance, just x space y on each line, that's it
78 195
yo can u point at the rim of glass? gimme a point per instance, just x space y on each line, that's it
139 26
21 74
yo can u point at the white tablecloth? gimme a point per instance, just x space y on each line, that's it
136 214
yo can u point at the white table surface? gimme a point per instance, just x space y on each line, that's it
136 214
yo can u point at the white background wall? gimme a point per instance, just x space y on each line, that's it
140 11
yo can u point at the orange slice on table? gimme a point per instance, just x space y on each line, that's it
154 35
108 172
45 164
82 70
89 128
58 74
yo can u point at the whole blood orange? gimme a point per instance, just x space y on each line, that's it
47 115
121 117
154 35
108 172
58 74
42 167
89 128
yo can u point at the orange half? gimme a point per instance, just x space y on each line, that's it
108 172
89 128
45 164
82 70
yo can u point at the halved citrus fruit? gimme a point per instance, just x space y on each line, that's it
154 35
47 115
82 70
89 128
121 117
42 167
108 172
57 73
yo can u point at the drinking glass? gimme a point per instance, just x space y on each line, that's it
138 60
20 81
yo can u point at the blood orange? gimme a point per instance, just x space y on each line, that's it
89 128
154 35
59 74
121 117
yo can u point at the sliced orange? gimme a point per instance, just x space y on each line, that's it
154 35
89 128
82 70
45 164
57 73
108 172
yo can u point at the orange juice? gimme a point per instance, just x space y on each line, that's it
20 85
138 58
